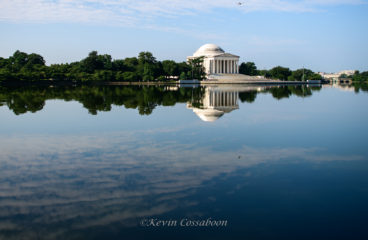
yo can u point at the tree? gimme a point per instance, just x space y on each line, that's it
360 77
126 76
90 63
5 75
96 62
315 76
103 75
197 69
146 66
118 65
18 60
170 68
248 68
131 64
281 73
146 57
297 75
104 62
148 72
183 67
3 62
182 76
35 59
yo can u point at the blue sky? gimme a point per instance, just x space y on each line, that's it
325 35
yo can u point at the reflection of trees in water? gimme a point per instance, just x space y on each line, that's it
280 92
248 96
360 86
287 91
96 98
27 101
143 98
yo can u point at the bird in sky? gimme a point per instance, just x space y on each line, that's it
240 3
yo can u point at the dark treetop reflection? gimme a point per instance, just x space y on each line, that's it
270 168
144 98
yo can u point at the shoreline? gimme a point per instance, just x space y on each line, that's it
201 83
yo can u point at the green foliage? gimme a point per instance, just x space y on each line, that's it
96 62
184 67
161 78
126 76
95 67
279 72
148 72
103 75
146 57
265 73
360 77
5 75
170 68
183 76
300 75
131 64
248 68
197 69
315 76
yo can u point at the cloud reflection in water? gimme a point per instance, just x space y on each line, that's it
49 182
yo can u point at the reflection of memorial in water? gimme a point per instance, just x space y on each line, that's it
215 103
220 99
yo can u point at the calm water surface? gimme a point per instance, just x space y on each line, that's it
119 162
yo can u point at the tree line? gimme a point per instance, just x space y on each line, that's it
96 67
281 73
357 76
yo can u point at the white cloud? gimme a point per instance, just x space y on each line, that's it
129 12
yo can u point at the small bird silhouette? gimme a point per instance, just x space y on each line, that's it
240 3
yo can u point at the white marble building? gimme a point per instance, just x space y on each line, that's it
335 76
216 61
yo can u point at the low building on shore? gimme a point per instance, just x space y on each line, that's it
336 76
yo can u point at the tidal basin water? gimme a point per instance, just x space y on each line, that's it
120 162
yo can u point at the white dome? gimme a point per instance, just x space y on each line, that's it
208 50
208 115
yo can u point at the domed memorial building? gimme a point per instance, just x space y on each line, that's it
216 60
